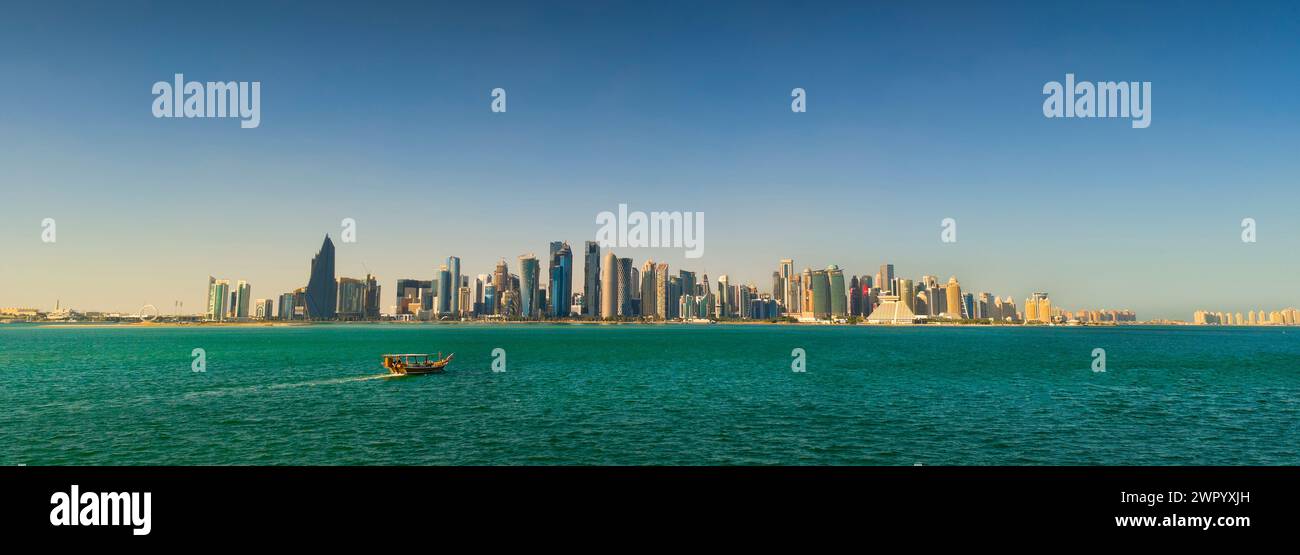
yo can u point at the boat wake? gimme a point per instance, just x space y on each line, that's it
221 392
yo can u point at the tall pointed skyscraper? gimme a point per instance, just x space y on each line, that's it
322 290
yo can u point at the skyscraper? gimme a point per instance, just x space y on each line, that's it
724 296
906 294
561 279
661 291
786 271
500 284
490 298
243 292
625 286
218 293
953 299
688 282
648 308
529 286
885 281
480 299
286 306
591 280
370 305
855 296
806 300
821 294
609 286
352 299
444 290
838 298
322 290
453 269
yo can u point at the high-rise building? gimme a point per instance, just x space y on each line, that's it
410 293
855 297
885 281
821 294
1038 308
322 289
480 290
778 285
529 287
466 302
453 289
609 286
351 299
648 308
838 298
661 291
490 301
561 279
500 284
808 302
370 304
591 280
265 309
242 292
724 296
906 294
509 303
286 306
688 282
953 299
218 293
444 290
625 286
987 308
787 273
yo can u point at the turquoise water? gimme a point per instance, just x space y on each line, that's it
579 394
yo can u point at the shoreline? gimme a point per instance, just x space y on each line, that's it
277 324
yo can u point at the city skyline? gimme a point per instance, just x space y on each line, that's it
907 124
227 302
813 295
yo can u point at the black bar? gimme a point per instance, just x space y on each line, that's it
243 503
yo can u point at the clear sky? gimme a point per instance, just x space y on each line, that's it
916 112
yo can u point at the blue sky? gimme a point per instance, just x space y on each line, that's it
915 113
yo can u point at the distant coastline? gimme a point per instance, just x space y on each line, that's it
259 324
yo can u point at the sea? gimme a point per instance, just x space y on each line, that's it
583 394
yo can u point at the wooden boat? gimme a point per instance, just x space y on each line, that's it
413 364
